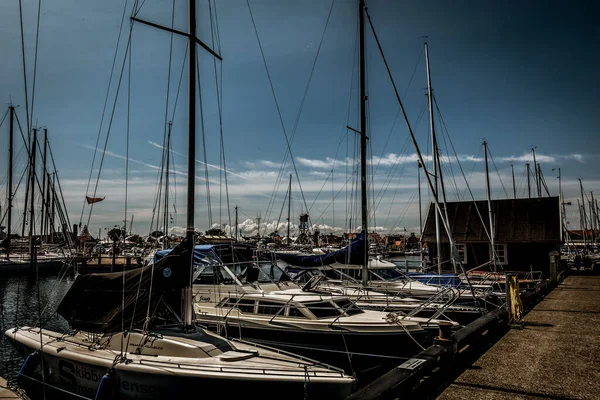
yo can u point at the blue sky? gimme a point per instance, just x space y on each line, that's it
520 74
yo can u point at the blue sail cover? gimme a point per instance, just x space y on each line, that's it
204 254
351 254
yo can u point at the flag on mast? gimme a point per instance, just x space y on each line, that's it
92 200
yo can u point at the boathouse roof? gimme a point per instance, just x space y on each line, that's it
535 220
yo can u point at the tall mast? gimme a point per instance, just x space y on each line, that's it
236 223
289 210
489 202
27 186
420 213
44 177
52 206
10 176
593 218
434 156
191 170
32 202
166 216
528 181
583 215
537 175
363 141
512 168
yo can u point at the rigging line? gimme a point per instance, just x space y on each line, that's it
201 107
404 210
110 123
349 179
3 118
463 174
37 38
403 150
24 66
112 69
498 173
297 120
448 168
277 105
126 187
219 87
403 99
166 123
320 190
344 133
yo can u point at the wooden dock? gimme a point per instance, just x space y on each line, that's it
5 392
555 356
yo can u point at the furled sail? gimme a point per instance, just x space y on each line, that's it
111 302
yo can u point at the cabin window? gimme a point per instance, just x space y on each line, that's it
269 307
295 312
501 253
462 252
246 306
323 309
348 306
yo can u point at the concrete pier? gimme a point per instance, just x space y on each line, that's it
555 356
5 392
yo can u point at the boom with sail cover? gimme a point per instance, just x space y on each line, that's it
351 254
104 302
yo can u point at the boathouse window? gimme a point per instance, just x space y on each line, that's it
323 309
462 252
501 253
269 307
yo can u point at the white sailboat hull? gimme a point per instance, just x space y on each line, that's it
76 365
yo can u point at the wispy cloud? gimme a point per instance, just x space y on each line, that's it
260 163
229 172
527 157
327 163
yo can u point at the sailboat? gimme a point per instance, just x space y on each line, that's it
133 336
32 253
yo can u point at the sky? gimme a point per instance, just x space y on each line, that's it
520 75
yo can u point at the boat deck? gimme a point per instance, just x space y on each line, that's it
555 355
5 392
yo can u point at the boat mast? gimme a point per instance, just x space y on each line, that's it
434 156
583 216
420 213
593 218
363 142
528 180
166 216
32 203
489 203
10 176
236 223
44 194
512 168
191 170
289 210
537 176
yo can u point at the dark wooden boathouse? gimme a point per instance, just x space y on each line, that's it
525 232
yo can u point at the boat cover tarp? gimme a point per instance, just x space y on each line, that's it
109 302
351 254
201 251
